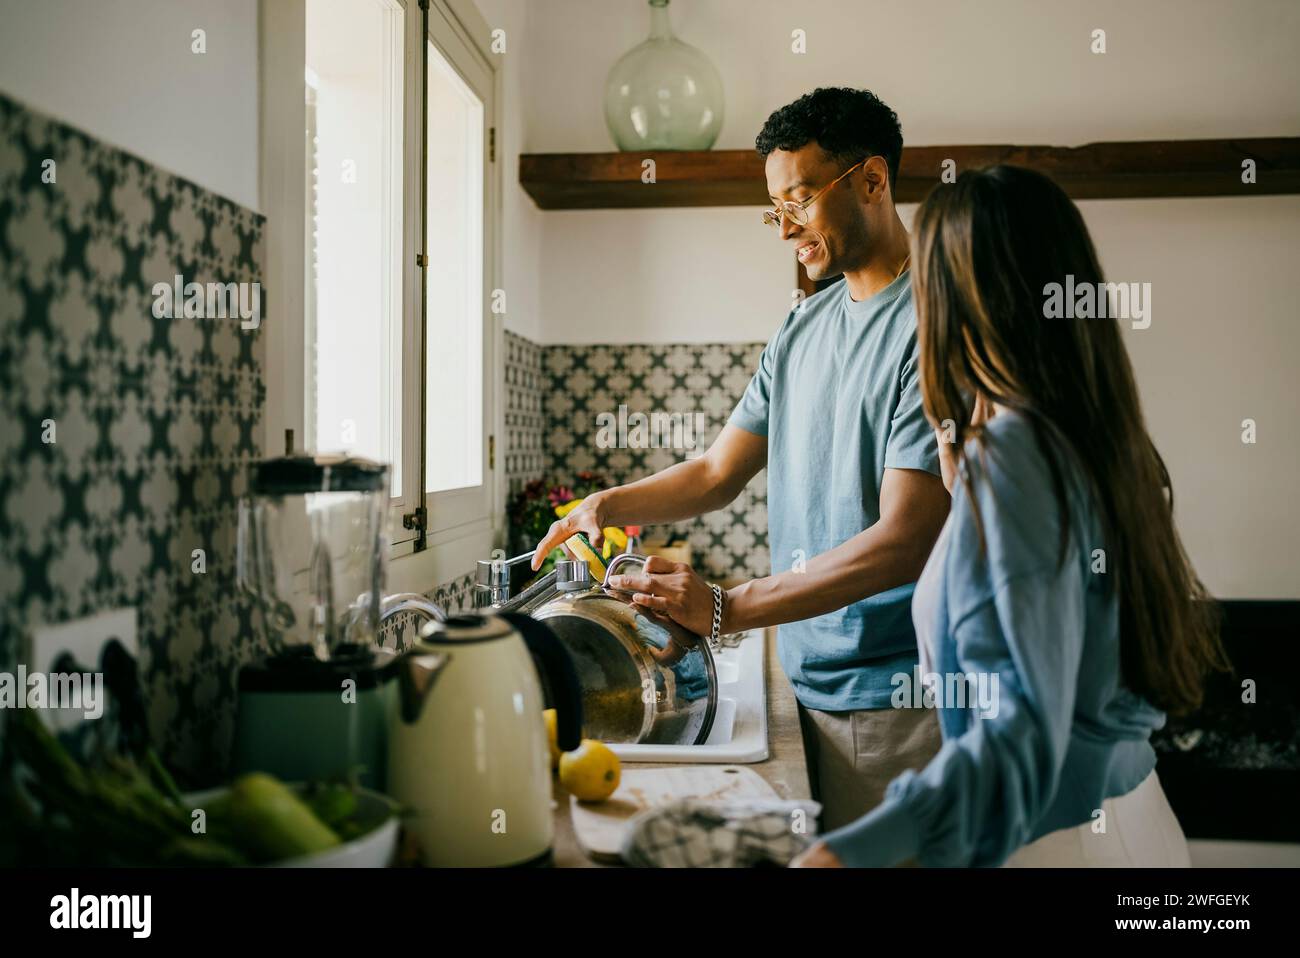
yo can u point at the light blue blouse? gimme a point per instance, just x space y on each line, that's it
1065 734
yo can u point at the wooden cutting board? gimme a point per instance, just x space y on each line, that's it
602 826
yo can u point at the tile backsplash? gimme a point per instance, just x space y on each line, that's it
555 398
126 435
525 446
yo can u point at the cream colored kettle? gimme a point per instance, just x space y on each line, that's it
468 756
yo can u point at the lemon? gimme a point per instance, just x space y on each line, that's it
550 718
564 509
615 540
590 772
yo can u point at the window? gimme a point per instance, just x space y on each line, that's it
455 278
353 315
395 355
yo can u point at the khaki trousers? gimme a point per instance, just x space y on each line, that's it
852 756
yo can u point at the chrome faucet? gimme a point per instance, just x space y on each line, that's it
496 582
392 605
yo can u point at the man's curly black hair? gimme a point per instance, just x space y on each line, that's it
848 124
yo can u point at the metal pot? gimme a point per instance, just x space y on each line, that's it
645 679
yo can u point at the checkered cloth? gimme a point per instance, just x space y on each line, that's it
693 833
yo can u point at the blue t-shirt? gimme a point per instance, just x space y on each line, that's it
838 397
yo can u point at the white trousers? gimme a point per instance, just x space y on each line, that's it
1141 832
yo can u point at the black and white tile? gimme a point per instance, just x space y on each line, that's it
154 420
576 383
524 446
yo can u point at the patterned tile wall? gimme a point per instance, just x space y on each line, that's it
126 436
453 597
578 383
524 448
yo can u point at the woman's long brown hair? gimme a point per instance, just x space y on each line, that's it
986 248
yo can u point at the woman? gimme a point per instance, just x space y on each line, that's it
1059 577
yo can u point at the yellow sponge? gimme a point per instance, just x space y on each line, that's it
583 549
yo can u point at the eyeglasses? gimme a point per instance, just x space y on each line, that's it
797 213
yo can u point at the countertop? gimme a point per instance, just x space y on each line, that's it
785 768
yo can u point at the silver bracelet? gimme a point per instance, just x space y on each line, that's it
714 644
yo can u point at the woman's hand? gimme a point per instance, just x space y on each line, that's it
673 589
818 856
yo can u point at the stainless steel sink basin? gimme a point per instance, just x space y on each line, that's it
739 732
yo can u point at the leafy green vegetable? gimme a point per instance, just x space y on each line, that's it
121 812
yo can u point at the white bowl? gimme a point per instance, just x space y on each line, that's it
375 849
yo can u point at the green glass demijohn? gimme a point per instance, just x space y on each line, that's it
663 94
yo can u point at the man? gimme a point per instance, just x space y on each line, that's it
834 411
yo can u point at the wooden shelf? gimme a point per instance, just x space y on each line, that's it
1155 168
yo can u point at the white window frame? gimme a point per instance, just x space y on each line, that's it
457 512
461 525
403 538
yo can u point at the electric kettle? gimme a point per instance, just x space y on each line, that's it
468 756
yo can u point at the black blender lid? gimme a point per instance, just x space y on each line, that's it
298 670
289 475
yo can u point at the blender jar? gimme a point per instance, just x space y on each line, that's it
312 546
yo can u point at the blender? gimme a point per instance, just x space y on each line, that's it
311 555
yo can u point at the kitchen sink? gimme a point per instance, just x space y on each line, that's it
739 732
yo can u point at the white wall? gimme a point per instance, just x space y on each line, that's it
1016 71
1223 346
1224 343
123 72
663 276
522 222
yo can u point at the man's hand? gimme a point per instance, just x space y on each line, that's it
588 517
673 589
818 856
887 554
682 491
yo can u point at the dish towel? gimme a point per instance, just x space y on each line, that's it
694 833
